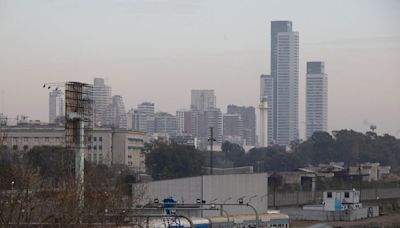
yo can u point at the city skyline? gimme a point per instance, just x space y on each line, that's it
348 42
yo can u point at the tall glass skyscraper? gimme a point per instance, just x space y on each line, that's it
316 98
283 127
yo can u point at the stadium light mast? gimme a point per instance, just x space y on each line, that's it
78 126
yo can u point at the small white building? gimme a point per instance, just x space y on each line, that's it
338 200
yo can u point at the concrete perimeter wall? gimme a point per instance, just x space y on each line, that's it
253 188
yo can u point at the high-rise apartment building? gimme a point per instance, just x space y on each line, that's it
56 105
316 98
287 88
130 118
143 118
284 78
212 118
165 123
202 99
248 119
184 121
115 115
233 128
102 98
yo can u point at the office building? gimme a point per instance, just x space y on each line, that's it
115 114
184 121
101 99
233 128
143 118
128 149
202 100
106 145
165 123
316 98
248 119
285 76
56 105
212 118
130 118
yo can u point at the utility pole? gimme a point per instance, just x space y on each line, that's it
211 140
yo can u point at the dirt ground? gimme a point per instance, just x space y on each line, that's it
392 220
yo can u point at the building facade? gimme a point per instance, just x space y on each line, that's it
128 149
203 99
287 106
316 98
101 98
184 121
143 118
106 146
248 118
165 123
115 115
233 128
285 87
56 105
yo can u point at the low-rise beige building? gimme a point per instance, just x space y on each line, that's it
106 146
128 149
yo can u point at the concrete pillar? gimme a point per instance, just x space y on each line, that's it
313 179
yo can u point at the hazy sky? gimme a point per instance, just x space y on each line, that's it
157 50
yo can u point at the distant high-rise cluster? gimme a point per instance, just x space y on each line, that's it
204 115
56 105
280 90
316 98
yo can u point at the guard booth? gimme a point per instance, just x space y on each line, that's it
339 200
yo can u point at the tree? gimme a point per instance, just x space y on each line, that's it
28 193
173 161
233 152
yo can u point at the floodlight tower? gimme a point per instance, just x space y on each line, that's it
78 126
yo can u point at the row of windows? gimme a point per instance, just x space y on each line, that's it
95 147
26 139
94 157
95 139
135 140
135 148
